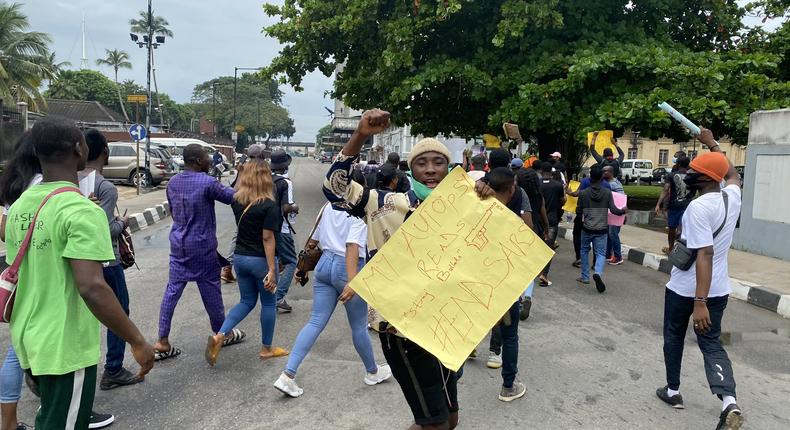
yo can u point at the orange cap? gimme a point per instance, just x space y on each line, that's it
712 164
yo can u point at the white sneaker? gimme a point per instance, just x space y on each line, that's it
494 361
288 386
380 376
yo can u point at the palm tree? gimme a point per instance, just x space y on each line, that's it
117 60
52 69
156 25
21 51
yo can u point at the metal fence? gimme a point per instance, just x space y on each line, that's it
11 128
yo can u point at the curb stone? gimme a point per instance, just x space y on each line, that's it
749 292
141 221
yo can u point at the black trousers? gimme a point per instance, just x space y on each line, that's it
718 368
577 236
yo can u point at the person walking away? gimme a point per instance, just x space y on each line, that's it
254 152
558 168
193 246
608 157
675 198
592 207
217 163
430 388
519 204
503 182
553 193
286 250
114 375
701 292
479 162
343 240
614 249
258 219
393 160
64 291
528 180
577 221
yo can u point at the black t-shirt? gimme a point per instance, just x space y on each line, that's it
552 191
261 216
679 195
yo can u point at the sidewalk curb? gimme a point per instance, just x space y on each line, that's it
137 222
149 217
749 292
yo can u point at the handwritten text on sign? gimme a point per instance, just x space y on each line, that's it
452 270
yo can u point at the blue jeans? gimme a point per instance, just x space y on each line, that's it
286 252
329 280
598 242
11 376
250 272
116 346
510 347
613 246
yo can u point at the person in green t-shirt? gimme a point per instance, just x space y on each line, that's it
61 290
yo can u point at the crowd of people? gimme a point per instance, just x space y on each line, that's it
57 314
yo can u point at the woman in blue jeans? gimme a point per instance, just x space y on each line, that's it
258 218
343 239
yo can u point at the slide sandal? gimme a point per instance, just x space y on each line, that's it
236 336
164 355
276 352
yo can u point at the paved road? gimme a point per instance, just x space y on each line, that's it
589 360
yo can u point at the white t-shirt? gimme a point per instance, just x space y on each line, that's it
291 217
476 175
337 228
702 218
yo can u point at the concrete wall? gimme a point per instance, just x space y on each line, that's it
765 215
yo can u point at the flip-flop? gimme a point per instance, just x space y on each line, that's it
276 352
235 336
164 355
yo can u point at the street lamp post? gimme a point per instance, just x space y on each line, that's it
150 44
235 82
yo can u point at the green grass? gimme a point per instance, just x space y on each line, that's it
643 192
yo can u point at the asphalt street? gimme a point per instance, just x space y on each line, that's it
589 360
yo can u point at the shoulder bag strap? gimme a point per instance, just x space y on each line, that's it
23 247
315 226
726 212
244 213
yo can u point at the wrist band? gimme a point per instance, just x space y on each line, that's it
701 299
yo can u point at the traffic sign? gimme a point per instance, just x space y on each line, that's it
137 132
136 98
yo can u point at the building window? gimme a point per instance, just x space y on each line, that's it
663 157
632 153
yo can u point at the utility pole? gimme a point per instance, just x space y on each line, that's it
214 108
235 84
150 19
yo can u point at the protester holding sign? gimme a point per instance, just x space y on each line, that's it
608 157
429 387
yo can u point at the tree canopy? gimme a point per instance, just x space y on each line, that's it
258 106
558 68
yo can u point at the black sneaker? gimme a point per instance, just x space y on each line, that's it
526 305
284 306
731 418
675 401
100 421
599 285
120 379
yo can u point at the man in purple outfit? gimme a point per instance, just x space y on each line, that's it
193 243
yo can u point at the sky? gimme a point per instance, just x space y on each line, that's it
211 37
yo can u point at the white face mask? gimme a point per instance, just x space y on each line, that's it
675 160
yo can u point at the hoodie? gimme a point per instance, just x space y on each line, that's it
594 206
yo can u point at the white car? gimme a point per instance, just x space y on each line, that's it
635 170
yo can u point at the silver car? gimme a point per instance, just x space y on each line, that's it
122 166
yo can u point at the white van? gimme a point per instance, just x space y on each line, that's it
634 170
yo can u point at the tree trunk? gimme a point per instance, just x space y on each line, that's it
120 100
156 90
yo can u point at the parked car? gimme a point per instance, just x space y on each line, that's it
659 174
325 158
635 170
122 165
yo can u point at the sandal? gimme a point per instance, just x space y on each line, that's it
164 355
276 352
235 336
212 350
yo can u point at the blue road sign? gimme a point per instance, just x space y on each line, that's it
137 132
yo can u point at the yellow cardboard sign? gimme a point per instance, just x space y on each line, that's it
452 270
602 141
571 202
